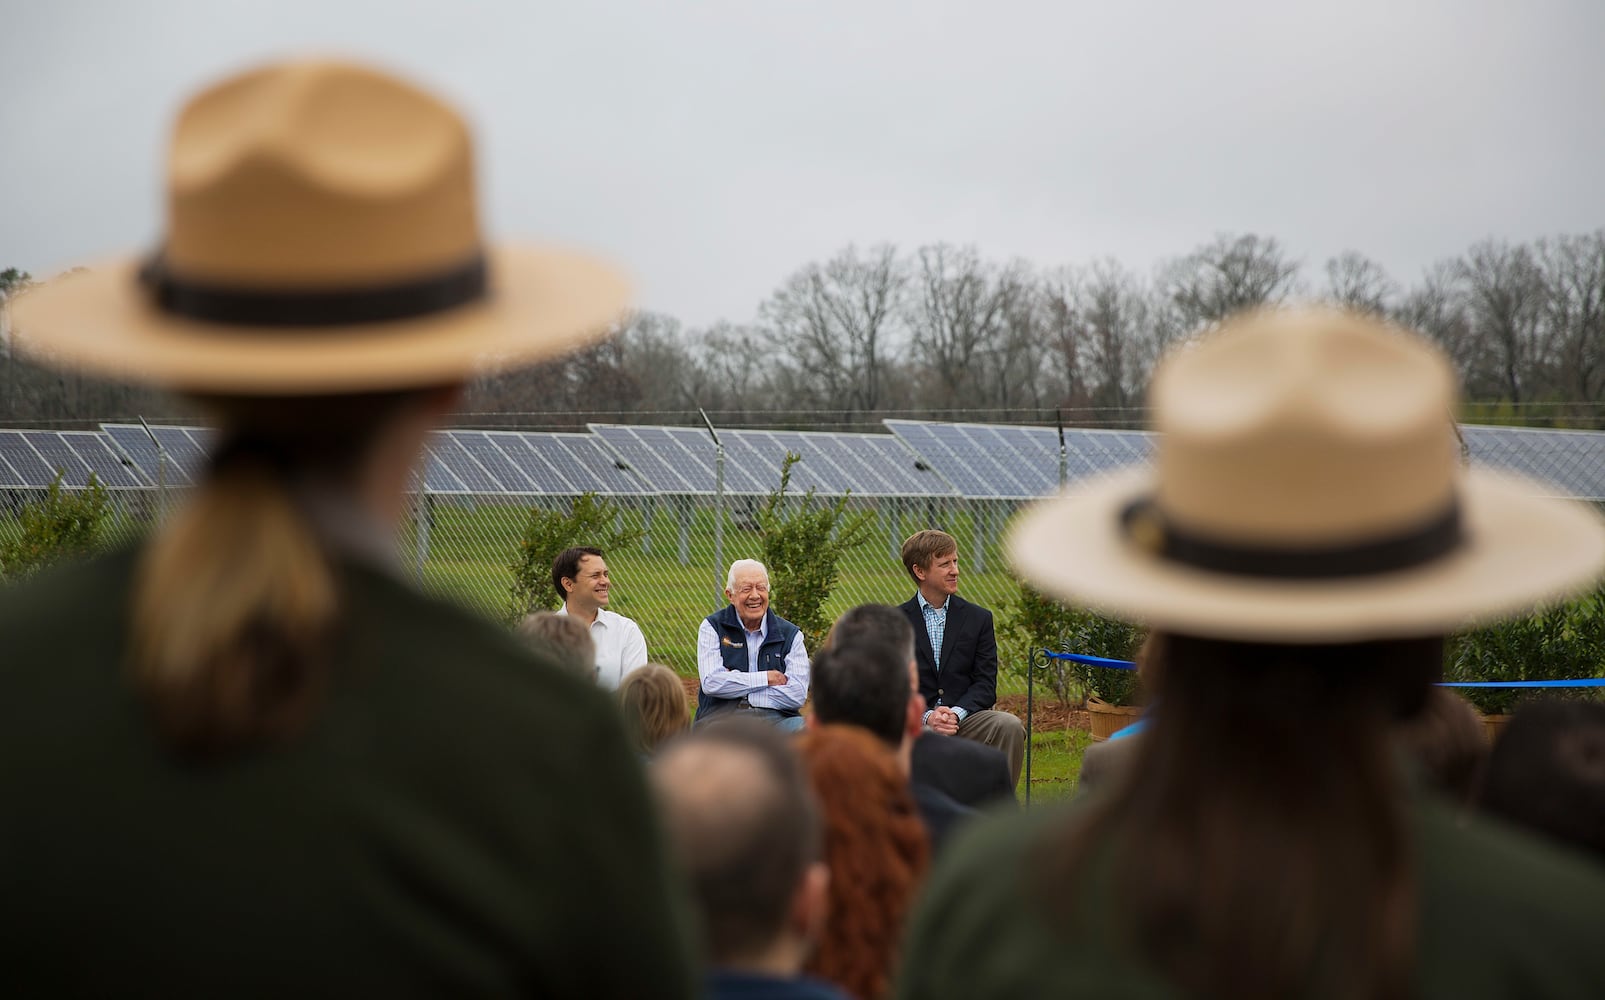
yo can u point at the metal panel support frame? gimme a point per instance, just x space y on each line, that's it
718 503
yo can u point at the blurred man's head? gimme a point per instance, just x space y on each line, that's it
562 637
866 676
873 623
744 824
1547 772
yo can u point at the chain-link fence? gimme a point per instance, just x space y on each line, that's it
463 544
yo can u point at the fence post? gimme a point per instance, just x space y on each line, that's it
420 518
978 522
683 506
718 504
1030 712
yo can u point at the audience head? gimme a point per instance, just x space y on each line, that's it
580 573
877 850
1547 772
654 705
747 589
562 637
866 684
1447 740
869 624
746 829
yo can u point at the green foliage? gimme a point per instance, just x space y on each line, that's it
547 533
1043 623
1565 642
64 524
803 544
12 280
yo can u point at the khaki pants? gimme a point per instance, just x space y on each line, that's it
1001 730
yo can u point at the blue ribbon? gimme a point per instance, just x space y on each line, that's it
1589 682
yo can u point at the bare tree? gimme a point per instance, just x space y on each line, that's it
1231 274
835 323
1357 282
960 310
1573 315
1504 291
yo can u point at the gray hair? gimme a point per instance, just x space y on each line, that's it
743 564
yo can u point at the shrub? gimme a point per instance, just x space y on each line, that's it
802 546
1565 642
1043 623
547 533
65 523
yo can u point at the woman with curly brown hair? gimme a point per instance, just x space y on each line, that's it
877 852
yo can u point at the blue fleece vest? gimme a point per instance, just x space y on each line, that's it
779 634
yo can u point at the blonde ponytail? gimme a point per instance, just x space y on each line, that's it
232 610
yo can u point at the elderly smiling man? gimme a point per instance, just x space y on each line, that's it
751 660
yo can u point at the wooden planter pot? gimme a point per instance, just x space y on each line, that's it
1107 718
1493 725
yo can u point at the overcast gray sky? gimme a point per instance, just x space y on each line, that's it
714 147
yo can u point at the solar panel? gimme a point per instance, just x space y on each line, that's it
598 469
132 441
60 457
486 451
1573 462
24 466
651 454
110 468
472 477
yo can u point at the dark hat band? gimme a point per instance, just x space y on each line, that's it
1145 525
424 296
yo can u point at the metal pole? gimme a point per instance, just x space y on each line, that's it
161 471
718 509
1030 714
1064 458
420 517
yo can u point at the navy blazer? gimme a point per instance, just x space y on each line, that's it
969 676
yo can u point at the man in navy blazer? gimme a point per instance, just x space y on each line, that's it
957 651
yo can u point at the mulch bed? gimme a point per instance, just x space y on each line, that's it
1047 716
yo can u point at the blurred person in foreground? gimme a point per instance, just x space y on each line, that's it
747 831
1446 740
1547 774
877 851
244 758
580 577
1304 539
870 690
972 774
751 660
957 651
655 707
562 638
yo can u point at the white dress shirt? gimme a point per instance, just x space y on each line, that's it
720 682
620 646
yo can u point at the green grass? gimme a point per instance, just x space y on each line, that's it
1055 765
470 549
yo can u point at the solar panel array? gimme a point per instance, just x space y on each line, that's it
683 460
1573 461
918 459
31 460
1005 462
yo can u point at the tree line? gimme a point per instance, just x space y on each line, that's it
942 331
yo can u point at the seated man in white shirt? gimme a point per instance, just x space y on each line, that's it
580 576
751 660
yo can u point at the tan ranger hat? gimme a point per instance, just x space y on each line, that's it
321 237
1307 487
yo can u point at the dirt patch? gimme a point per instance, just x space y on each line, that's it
1047 715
